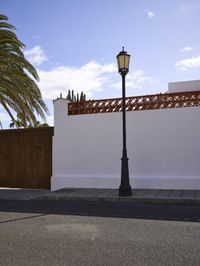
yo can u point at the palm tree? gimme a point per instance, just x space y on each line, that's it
19 93
19 124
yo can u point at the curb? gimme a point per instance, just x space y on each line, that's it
162 201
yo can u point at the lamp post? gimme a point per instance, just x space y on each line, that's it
123 67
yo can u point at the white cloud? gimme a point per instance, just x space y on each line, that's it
4 117
138 79
38 36
150 14
185 64
140 83
187 49
186 10
89 78
50 120
36 55
189 8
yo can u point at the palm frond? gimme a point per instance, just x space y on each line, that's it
19 92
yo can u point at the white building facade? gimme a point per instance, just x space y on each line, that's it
182 86
163 148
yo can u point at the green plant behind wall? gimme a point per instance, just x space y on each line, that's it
76 98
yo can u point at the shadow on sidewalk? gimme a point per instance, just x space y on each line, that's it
102 209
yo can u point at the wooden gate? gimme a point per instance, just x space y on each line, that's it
26 157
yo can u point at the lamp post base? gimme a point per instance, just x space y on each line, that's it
125 191
125 188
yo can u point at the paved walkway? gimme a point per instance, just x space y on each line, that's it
157 196
21 194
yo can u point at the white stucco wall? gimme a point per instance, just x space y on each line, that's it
163 148
180 86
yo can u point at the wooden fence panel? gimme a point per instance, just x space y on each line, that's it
26 158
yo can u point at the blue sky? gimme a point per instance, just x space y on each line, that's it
73 44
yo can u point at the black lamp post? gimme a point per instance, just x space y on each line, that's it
123 66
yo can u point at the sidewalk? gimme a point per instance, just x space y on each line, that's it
154 196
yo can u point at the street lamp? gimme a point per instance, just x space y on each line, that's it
123 67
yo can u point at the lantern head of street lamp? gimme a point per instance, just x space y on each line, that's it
123 60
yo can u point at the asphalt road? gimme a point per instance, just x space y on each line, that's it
72 233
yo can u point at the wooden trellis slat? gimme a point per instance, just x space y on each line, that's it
137 103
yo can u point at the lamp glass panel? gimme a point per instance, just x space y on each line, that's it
126 61
122 61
